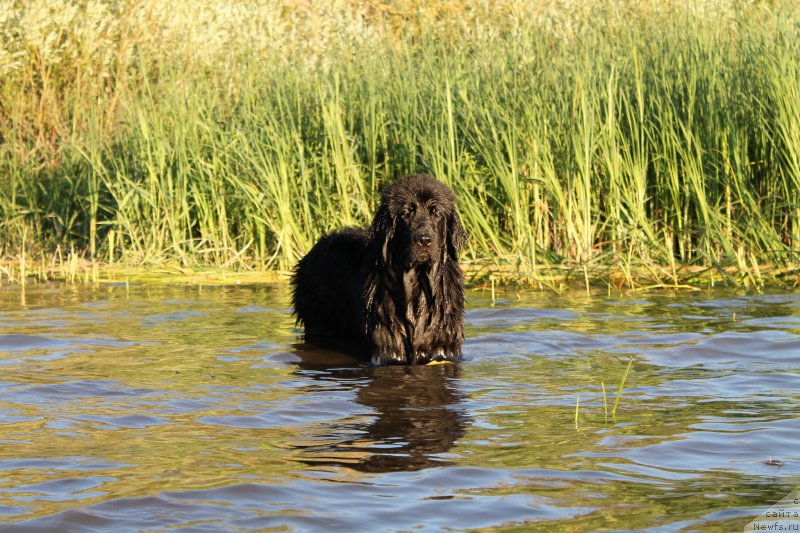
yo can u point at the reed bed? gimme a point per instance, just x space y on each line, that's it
622 141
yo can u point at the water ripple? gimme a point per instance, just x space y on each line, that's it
128 408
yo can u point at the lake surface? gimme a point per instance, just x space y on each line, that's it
151 408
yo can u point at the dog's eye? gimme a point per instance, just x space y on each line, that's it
408 211
435 212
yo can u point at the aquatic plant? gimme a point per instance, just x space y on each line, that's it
620 141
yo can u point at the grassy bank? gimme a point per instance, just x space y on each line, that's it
612 140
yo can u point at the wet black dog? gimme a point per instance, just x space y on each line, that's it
397 286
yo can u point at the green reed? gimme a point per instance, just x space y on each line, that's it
657 149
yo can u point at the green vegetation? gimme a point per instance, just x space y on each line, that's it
629 143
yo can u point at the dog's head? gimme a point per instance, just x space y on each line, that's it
416 223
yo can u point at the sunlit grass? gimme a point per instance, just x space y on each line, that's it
617 398
633 144
619 389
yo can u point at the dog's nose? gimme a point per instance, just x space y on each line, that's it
424 240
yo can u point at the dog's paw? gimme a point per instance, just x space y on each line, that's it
387 359
440 357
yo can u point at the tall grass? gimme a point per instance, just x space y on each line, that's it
635 141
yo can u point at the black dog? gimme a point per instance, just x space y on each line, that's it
397 285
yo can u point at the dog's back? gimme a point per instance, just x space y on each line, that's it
328 284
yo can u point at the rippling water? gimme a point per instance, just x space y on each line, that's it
200 409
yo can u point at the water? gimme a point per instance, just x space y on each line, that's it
153 408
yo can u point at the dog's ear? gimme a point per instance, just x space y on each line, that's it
381 231
456 235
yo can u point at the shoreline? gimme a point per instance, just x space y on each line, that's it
553 278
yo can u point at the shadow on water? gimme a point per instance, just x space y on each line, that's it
414 412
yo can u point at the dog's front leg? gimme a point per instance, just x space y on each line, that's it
388 347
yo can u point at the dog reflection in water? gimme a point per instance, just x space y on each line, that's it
417 416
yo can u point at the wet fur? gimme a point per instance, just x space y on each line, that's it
396 287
